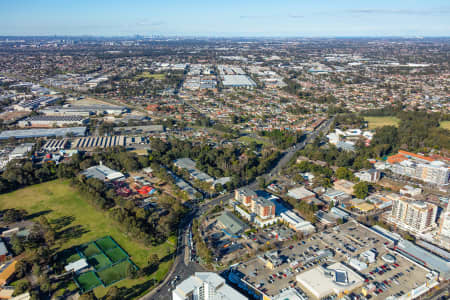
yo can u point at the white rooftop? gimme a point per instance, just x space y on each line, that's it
222 291
77 265
336 278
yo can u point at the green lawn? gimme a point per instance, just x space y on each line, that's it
57 200
375 122
445 125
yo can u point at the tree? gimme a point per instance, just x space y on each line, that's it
21 287
21 268
13 215
344 173
131 271
361 190
113 293
17 245
153 259
262 182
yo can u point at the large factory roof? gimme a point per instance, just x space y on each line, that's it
34 133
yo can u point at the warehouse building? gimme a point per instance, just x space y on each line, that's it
36 133
102 173
21 150
139 129
99 142
83 110
49 121
241 81
55 144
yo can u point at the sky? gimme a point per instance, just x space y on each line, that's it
227 18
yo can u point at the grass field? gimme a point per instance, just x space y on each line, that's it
57 200
445 125
115 273
88 281
248 139
153 76
375 122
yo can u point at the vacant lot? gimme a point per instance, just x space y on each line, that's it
375 122
78 222
445 125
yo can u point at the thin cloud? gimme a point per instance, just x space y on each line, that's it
150 23
296 16
255 17
412 12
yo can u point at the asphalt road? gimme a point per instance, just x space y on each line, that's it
179 268
182 271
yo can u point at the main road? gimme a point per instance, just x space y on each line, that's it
182 266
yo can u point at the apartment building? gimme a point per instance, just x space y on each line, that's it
371 175
260 210
263 208
411 215
420 167
244 196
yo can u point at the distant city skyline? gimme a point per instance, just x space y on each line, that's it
283 18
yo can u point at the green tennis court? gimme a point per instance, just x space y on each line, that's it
87 281
99 261
106 243
90 250
114 273
116 255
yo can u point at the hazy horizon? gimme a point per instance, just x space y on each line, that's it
285 18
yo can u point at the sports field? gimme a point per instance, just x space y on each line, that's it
375 122
58 201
